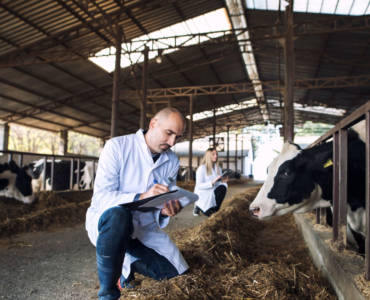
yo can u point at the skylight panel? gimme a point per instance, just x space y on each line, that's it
214 21
298 6
273 4
328 7
314 6
339 7
359 7
260 4
344 7
250 4
224 110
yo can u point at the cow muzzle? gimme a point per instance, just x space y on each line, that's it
254 211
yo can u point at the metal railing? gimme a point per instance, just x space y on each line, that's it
340 163
74 159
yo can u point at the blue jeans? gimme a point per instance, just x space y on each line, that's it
115 228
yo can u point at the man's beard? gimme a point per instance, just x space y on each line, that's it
164 145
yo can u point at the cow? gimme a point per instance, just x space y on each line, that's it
301 180
62 175
15 182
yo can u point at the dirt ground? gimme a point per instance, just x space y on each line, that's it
230 255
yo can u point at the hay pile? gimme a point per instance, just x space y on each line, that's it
232 256
51 209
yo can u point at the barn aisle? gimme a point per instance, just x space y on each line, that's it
60 263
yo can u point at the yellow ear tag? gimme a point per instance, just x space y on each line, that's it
328 163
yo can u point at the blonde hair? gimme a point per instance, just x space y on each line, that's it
207 161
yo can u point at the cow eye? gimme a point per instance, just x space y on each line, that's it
284 174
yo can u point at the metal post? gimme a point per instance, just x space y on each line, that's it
214 128
242 156
367 241
289 75
191 138
169 104
343 161
45 168
71 176
52 172
4 136
236 153
228 146
20 160
116 80
63 145
144 88
335 185
78 173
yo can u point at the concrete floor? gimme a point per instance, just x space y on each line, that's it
60 264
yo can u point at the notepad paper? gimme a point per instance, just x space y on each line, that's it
157 202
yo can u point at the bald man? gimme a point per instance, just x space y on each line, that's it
130 168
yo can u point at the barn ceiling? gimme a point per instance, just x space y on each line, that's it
47 80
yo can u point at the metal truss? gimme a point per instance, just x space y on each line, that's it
247 87
273 31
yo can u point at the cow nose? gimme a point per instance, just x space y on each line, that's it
254 211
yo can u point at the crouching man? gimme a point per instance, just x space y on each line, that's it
130 168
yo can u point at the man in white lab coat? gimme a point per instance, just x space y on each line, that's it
133 167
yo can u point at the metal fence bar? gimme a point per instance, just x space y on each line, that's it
71 176
52 172
335 185
343 163
367 241
20 160
46 167
78 173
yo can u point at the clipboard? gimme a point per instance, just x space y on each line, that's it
157 202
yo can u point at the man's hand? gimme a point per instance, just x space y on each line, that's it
154 191
171 208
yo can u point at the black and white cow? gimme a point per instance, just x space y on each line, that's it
15 182
62 175
301 180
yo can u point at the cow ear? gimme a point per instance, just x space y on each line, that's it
322 160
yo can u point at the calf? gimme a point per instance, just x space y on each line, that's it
15 182
301 180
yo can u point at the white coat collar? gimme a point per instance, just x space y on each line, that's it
144 147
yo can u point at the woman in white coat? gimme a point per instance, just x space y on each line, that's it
210 186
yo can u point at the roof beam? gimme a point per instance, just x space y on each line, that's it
247 87
273 31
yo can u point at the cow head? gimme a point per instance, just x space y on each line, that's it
290 185
18 183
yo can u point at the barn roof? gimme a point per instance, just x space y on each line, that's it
47 80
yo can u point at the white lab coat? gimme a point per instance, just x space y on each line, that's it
126 168
204 188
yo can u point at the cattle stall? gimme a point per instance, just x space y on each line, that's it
55 172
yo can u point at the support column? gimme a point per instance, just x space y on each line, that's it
228 146
242 155
191 138
144 79
236 152
63 144
4 136
169 104
116 80
214 128
289 75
